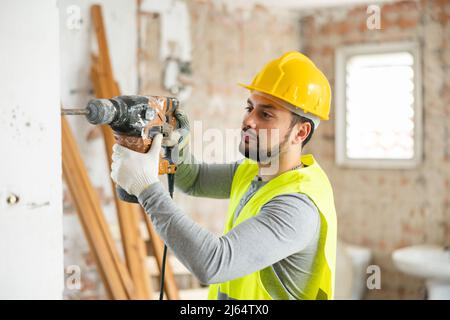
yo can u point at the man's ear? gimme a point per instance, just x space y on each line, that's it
302 131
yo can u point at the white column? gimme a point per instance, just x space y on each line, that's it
31 240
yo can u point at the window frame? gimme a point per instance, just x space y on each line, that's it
343 54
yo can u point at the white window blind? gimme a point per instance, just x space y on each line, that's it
378 106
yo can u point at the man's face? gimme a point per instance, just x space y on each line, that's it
265 129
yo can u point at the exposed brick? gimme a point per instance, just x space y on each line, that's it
359 12
89 258
341 27
400 6
406 23
402 195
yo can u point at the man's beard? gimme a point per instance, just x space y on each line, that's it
254 151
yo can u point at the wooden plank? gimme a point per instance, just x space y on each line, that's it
129 215
105 66
133 244
129 228
89 211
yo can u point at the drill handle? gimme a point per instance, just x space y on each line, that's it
166 166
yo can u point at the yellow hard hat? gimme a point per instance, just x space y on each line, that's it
294 78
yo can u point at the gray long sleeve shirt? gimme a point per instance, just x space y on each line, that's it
280 240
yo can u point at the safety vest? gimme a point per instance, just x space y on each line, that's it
310 180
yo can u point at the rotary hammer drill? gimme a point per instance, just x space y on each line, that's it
135 120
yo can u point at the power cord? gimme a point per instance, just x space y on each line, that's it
171 184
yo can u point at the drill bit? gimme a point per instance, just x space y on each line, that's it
74 112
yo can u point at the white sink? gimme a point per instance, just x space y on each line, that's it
431 262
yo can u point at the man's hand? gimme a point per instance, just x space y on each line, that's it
134 171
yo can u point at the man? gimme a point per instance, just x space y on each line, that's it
279 240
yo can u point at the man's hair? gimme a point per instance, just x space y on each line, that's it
299 119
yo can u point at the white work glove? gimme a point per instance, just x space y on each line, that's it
135 171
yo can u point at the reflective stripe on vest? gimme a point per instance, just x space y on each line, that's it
310 180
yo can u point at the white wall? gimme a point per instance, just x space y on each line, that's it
31 251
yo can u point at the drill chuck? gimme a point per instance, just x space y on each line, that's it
131 115
98 111
101 111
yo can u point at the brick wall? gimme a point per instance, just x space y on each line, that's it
388 209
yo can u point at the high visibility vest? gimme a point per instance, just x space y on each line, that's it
310 180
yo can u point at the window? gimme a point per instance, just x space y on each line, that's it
378 106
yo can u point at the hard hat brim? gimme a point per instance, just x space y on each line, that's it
251 88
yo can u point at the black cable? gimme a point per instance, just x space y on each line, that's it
171 183
163 270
